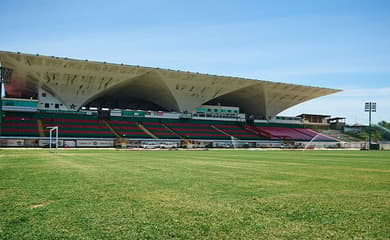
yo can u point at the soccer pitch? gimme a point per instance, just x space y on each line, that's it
227 194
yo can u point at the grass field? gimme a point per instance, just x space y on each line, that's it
107 194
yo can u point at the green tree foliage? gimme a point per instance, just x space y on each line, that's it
385 129
380 132
384 124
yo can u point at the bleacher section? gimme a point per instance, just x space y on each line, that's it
158 129
127 127
195 129
17 125
283 132
82 125
76 125
315 135
237 131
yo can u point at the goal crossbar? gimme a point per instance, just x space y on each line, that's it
51 130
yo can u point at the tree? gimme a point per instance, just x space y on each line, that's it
384 128
384 124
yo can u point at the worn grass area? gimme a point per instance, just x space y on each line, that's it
103 194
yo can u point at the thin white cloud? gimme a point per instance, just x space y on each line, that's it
367 92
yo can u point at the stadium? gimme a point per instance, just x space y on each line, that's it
99 104
205 120
112 175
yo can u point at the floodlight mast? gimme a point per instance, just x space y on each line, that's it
369 107
1 97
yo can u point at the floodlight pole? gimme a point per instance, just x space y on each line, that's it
369 129
370 107
1 97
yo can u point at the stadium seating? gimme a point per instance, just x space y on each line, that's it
195 129
89 126
158 129
76 125
315 135
127 127
284 133
19 126
257 132
237 131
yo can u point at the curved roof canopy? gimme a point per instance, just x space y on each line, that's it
78 82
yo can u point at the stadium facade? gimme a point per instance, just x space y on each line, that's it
76 83
52 85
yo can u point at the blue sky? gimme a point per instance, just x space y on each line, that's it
337 44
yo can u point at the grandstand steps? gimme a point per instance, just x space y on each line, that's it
41 131
257 132
80 125
221 131
195 129
146 130
112 130
169 129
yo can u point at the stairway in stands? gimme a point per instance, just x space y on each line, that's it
256 131
76 125
191 129
236 130
127 127
221 131
146 131
175 133
120 139
159 129
82 125
40 128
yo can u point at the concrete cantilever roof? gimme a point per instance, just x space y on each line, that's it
78 82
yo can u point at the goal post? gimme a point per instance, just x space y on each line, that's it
51 130
234 142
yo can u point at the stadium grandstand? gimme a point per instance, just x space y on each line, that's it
100 104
